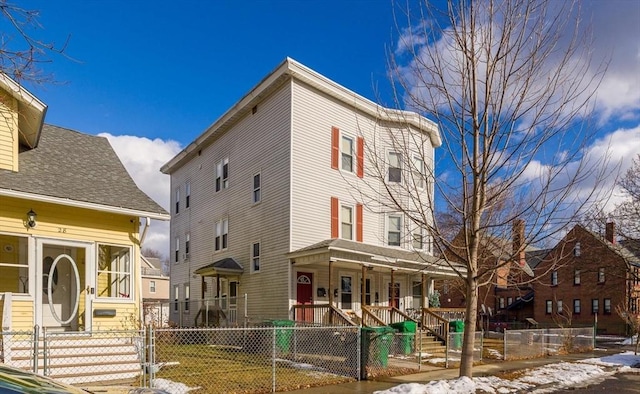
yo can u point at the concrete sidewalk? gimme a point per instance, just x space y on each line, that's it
429 373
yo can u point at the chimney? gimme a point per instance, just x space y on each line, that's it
517 242
610 232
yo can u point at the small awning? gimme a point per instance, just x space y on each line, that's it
224 266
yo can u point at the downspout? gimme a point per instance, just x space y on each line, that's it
147 223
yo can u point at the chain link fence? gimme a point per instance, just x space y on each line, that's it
454 348
274 357
523 344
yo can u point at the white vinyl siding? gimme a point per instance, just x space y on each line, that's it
264 137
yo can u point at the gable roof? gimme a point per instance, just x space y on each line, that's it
31 111
71 168
291 69
628 255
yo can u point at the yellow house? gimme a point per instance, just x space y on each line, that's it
71 224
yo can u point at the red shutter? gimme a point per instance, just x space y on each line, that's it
359 222
335 147
334 217
360 157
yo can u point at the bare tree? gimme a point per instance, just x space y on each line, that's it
627 214
509 84
632 318
21 52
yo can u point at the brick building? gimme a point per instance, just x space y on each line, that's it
587 276
505 294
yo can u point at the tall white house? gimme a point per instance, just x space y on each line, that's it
272 214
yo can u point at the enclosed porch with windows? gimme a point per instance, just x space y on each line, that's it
340 282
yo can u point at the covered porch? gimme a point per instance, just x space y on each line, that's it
341 282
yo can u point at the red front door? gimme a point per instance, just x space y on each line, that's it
304 294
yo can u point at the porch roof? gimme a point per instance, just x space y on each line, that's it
224 266
373 256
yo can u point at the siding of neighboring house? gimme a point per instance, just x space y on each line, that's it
256 143
8 133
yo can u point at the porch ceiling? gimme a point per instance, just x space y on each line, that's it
346 253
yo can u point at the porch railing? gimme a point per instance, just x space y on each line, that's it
382 315
322 314
436 320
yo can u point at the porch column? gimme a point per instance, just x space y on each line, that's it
330 290
424 292
363 286
392 289
218 287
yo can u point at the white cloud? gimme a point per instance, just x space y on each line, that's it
143 157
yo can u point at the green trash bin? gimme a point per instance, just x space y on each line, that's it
284 335
408 331
457 327
376 343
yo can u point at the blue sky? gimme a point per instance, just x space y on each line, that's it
152 75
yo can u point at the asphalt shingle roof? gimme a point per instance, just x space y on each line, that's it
80 167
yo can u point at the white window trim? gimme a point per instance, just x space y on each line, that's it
387 227
187 197
400 162
252 257
176 205
254 188
176 255
224 182
131 273
353 221
187 245
187 298
414 170
354 153
222 229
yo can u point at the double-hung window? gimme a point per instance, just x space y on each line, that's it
560 306
576 306
177 200
114 271
549 307
15 266
257 187
187 195
606 307
554 278
576 277
222 232
346 222
187 242
595 305
418 172
222 174
152 286
176 294
255 257
177 252
346 153
394 230
601 276
418 238
187 294
395 167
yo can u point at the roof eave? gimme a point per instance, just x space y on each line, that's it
31 110
86 205
294 69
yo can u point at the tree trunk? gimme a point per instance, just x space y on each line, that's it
468 342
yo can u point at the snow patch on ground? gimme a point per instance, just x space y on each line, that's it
172 387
